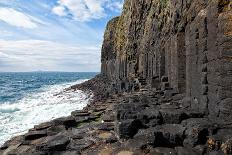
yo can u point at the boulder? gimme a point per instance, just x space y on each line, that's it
169 135
197 131
150 117
142 139
128 128
221 141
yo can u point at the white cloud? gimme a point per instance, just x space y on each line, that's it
59 10
31 55
86 10
115 6
18 19
5 33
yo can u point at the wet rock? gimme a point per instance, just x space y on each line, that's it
11 150
35 135
66 121
14 141
80 113
43 126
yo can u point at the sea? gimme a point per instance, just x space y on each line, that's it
31 98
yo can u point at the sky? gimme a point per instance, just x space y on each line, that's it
53 35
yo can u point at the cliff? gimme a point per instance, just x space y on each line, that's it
188 43
165 87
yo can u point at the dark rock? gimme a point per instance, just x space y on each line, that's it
54 143
55 130
162 151
173 116
80 113
221 141
185 151
216 153
150 117
66 121
106 126
200 149
225 108
80 144
108 117
128 128
35 135
169 135
67 153
143 138
78 133
197 131
43 126
165 86
164 79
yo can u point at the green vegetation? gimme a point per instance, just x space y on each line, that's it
97 118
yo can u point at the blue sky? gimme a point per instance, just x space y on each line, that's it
53 35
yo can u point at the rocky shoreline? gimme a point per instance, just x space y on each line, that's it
165 87
144 122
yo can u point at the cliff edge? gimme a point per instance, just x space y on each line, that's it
165 87
178 44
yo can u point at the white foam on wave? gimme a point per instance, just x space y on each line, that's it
45 105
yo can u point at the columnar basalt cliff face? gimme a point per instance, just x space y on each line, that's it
185 45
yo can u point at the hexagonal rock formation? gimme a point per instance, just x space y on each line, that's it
184 45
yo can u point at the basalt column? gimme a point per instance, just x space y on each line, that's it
108 66
176 62
223 61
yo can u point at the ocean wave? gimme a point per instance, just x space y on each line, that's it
44 105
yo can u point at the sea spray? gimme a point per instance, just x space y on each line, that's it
45 104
